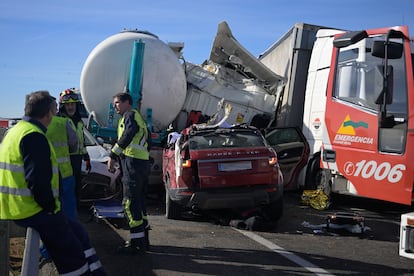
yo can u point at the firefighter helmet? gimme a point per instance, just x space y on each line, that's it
68 96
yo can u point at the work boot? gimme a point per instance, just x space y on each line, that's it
147 241
133 247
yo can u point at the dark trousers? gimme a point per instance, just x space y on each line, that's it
66 241
68 199
135 184
76 161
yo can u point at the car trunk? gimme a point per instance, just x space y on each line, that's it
232 167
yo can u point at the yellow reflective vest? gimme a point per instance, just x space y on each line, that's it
16 199
138 148
57 134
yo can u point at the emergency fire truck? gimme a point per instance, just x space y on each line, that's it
355 109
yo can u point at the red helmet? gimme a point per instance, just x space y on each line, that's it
69 96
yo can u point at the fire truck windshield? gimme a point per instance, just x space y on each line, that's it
357 77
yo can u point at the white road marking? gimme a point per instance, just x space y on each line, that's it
289 255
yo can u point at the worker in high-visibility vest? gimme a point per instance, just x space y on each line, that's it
29 190
132 148
64 140
69 105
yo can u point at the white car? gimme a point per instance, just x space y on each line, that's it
99 183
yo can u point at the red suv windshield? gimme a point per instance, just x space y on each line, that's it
226 138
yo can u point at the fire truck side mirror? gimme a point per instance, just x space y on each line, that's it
394 49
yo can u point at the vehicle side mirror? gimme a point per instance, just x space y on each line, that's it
381 88
394 49
349 38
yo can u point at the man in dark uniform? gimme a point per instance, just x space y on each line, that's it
132 148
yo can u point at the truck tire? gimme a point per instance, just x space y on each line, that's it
172 209
325 181
317 177
311 181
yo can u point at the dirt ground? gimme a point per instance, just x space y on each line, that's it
16 259
16 255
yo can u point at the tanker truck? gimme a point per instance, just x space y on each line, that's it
139 63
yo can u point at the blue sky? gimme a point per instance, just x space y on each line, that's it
44 43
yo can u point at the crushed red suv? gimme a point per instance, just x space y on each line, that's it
208 167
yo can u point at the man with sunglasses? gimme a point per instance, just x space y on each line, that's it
69 106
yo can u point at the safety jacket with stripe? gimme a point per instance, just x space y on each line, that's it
16 199
57 134
81 140
138 148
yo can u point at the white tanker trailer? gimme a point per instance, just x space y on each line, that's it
139 63
109 69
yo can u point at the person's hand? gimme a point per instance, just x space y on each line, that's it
88 165
111 165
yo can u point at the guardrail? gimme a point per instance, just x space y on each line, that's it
30 265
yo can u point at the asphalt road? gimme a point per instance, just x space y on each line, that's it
204 244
